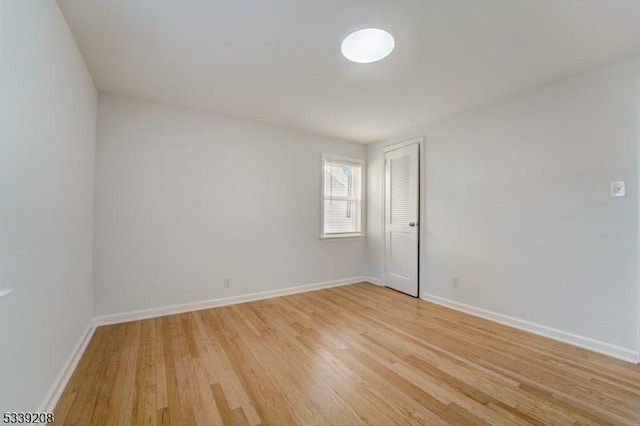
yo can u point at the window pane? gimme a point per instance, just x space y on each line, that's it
341 216
338 180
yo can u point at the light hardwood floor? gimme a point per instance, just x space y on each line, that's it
350 355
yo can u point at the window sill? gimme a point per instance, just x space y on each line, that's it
354 237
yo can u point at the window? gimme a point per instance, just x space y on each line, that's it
342 197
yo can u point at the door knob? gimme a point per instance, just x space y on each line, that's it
412 224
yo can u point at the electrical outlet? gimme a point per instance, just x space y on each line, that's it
618 189
455 281
227 283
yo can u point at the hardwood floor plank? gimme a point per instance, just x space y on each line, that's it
160 367
238 418
110 357
173 408
183 372
358 354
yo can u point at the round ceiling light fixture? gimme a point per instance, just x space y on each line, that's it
367 45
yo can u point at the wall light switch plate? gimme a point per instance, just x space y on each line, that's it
618 189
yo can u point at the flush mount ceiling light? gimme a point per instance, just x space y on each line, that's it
367 45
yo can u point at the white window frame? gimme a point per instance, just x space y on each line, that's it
363 188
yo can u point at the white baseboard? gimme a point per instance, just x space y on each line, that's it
212 303
60 383
373 280
615 351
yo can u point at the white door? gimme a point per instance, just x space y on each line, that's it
402 204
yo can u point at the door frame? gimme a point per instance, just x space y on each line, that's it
638 236
421 204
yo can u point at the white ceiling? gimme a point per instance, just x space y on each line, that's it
279 61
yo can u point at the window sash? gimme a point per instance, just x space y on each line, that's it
340 198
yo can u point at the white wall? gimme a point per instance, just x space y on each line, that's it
517 205
47 142
184 199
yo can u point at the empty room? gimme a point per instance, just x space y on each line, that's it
301 212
